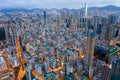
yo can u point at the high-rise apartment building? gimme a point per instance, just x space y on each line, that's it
115 73
45 17
90 50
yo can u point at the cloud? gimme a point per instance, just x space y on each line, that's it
55 3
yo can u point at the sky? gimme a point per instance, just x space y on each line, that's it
72 4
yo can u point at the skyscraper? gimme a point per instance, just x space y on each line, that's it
62 16
12 37
110 33
90 51
6 32
105 72
28 72
103 32
45 17
86 6
115 75
113 19
87 20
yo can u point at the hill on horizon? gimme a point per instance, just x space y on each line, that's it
109 7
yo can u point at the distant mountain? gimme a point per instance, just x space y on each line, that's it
109 7
15 10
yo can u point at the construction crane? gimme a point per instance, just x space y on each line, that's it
22 71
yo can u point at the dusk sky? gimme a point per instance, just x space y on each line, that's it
76 4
